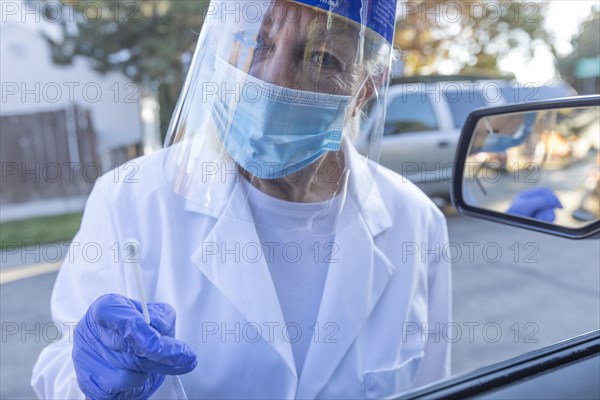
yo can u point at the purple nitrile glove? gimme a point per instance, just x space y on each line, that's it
118 356
538 203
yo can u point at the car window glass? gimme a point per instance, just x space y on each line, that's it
461 103
409 113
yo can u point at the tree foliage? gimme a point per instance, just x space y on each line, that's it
149 41
467 36
585 45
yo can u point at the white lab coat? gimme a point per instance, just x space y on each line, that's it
390 285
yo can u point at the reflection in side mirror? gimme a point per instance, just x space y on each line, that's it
537 162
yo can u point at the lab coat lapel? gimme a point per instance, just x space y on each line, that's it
353 287
239 275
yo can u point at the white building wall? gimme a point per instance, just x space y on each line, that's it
32 83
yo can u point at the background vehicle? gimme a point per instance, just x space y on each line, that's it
424 119
570 368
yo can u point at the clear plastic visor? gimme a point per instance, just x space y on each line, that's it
272 106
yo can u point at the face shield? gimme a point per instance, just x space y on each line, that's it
273 104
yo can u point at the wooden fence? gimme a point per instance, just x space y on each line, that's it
48 155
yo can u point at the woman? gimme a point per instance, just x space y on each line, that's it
297 267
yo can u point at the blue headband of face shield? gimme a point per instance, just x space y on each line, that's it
377 15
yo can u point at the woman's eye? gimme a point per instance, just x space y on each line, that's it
326 60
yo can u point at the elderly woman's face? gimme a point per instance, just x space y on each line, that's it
298 47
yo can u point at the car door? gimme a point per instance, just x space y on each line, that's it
557 296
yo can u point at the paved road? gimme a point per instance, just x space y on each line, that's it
542 289
23 304
514 291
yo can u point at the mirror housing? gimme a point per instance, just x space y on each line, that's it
531 132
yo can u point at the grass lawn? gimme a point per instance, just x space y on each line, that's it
60 228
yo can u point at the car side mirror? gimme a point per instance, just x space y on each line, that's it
533 165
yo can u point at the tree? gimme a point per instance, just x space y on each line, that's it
466 36
149 41
585 45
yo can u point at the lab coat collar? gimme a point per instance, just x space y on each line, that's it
364 190
354 283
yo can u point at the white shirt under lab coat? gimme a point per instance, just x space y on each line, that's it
380 327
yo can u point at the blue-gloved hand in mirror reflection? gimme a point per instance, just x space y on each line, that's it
117 355
538 203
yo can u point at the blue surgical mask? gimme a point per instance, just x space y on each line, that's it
272 131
